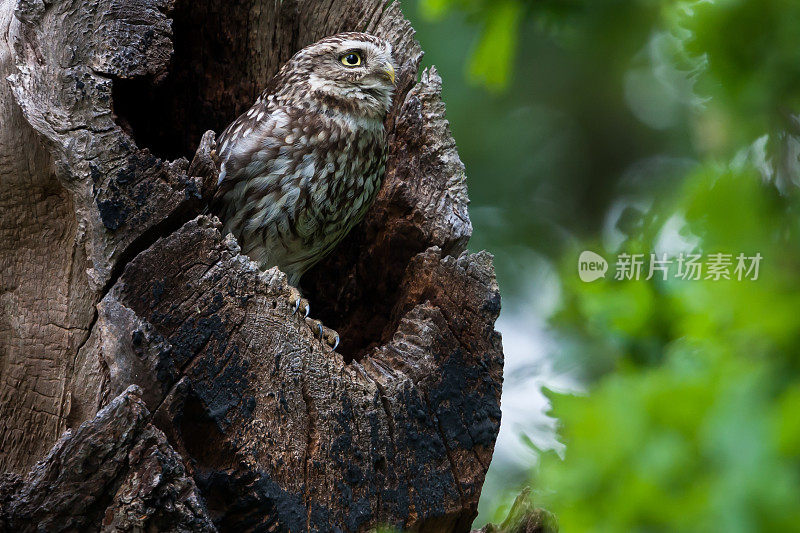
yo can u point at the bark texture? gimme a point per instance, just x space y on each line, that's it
151 376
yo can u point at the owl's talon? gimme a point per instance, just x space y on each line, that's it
299 302
326 335
302 303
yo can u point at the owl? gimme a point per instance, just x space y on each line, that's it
302 166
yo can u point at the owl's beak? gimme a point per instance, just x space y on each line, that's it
388 71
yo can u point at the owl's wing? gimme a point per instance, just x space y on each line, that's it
248 144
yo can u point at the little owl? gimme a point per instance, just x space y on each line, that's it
301 167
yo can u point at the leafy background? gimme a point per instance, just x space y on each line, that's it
638 126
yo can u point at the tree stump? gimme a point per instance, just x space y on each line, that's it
151 376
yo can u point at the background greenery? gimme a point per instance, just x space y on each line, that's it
639 126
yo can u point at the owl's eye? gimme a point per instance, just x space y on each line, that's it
351 59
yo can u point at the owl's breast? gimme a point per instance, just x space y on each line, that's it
295 191
349 174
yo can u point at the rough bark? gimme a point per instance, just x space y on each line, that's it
151 376
115 472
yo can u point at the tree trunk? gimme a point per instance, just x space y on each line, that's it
153 377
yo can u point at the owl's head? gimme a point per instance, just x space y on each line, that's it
347 72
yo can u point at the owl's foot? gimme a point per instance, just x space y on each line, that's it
298 302
326 335
301 305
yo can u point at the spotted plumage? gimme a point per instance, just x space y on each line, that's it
301 167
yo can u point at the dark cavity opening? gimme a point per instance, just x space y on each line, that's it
355 289
209 82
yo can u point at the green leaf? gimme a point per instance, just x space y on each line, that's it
493 58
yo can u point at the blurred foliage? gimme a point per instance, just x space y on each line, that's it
603 23
675 128
523 517
748 61
686 424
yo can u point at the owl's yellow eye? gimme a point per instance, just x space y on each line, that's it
351 59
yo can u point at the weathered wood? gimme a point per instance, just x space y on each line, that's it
114 472
111 279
